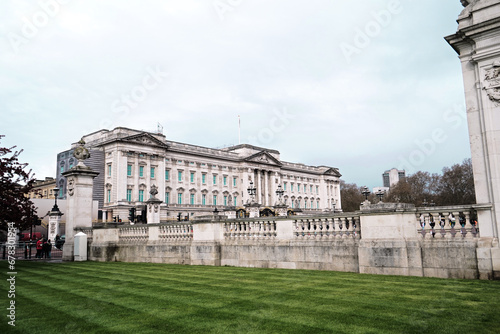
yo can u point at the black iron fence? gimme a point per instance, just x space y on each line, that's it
27 251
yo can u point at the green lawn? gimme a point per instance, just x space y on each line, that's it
91 297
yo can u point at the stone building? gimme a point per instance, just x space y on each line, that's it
43 188
194 180
392 176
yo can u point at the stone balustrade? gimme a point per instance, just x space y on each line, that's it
327 228
260 229
447 222
175 232
133 233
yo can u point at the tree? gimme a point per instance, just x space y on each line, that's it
415 189
456 186
350 196
15 184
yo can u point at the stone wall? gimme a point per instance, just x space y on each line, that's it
390 243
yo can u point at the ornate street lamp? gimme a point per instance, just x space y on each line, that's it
380 194
279 193
251 191
366 192
56 192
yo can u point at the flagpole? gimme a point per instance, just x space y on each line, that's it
239 130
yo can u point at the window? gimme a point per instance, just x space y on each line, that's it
234 181
224 180
215 179
317 204
167 175
167 197
129 170
62 168
225 200
109 195
284 186
70 164
235 200
215 199
203 199
293 204
191 199
141 171
298 187
141 195
61 192
291 187
204 178
305 188
109 170
152 172
311 189
129 195
179 176
317 190
192 177
179 198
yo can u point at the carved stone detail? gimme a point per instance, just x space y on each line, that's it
492 83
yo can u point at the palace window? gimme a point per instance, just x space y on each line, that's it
225 200
109 195
129 195
235 200
215 178
179 176
234 181
284 186
109 170
204 178
224 180
167 197
317 190
167 175
203 199
191 199
141 171
152 172
215 199
192 177
179 198
141 195
129 170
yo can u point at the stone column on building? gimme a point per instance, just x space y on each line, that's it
265 202
80 181
259 186
477 42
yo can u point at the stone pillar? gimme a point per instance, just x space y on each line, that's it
265 202
153 213
54 221
80 182
477 42
259 186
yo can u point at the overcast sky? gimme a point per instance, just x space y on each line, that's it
362 85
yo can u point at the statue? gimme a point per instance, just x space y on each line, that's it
81 152
153 191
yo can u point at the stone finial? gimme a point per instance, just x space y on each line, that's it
81 152
153 191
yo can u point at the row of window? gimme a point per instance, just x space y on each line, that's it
292 189
226 199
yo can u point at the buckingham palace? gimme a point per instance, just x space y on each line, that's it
194 181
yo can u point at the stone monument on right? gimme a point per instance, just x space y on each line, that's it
477 42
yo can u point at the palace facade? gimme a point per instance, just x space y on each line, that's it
194 180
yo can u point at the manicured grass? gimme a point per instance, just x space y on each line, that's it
91 297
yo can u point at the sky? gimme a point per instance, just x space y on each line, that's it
362 85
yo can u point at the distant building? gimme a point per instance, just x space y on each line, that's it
43 188
392 176
194 180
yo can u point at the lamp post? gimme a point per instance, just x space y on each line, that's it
251 191
380 194
366 192
279 193
56 192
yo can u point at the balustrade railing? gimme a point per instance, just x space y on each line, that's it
259 229
175 232
327 228
447 223
133 233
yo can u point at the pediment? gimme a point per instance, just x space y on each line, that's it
144 139
263 157
333 172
